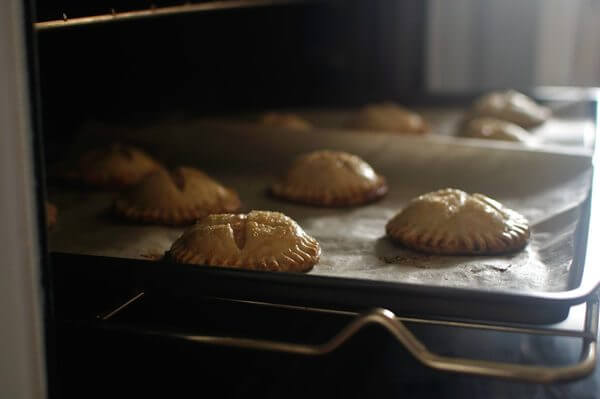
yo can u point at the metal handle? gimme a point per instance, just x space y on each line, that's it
396 327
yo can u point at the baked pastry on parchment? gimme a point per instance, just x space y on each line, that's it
259 240
286 120
388 117
330 178
51 215
452 222
115 166
510 106
176 197
495 129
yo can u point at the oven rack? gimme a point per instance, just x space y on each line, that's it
396 326
154 11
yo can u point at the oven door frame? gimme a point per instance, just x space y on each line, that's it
23 316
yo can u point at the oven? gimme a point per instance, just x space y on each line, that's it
100 308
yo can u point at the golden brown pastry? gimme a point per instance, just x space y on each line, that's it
389 117
286 120
510 106
495 129
330 178
453 222
115 166
260 240
181 196
51 215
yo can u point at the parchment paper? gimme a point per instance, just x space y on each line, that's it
547 187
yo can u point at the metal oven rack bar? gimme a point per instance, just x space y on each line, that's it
395 325
113 15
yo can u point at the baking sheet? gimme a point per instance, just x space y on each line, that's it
547 187
570 124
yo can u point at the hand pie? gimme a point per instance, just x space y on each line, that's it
389 117
285 120
495 129
452 222
330 178
511 106
51 215
174 198
260 240
113 167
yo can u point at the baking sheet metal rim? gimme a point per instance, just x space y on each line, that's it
184 281
328 286
587 284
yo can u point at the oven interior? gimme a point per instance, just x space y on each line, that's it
231 58
226 61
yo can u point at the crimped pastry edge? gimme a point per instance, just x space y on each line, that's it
103 179
302 258
175 216
350 196
361 126
360 121
474 244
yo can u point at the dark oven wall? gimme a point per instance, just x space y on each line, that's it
311 54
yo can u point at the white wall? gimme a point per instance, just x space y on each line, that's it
479 44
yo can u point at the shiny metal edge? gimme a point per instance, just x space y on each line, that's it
114 16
